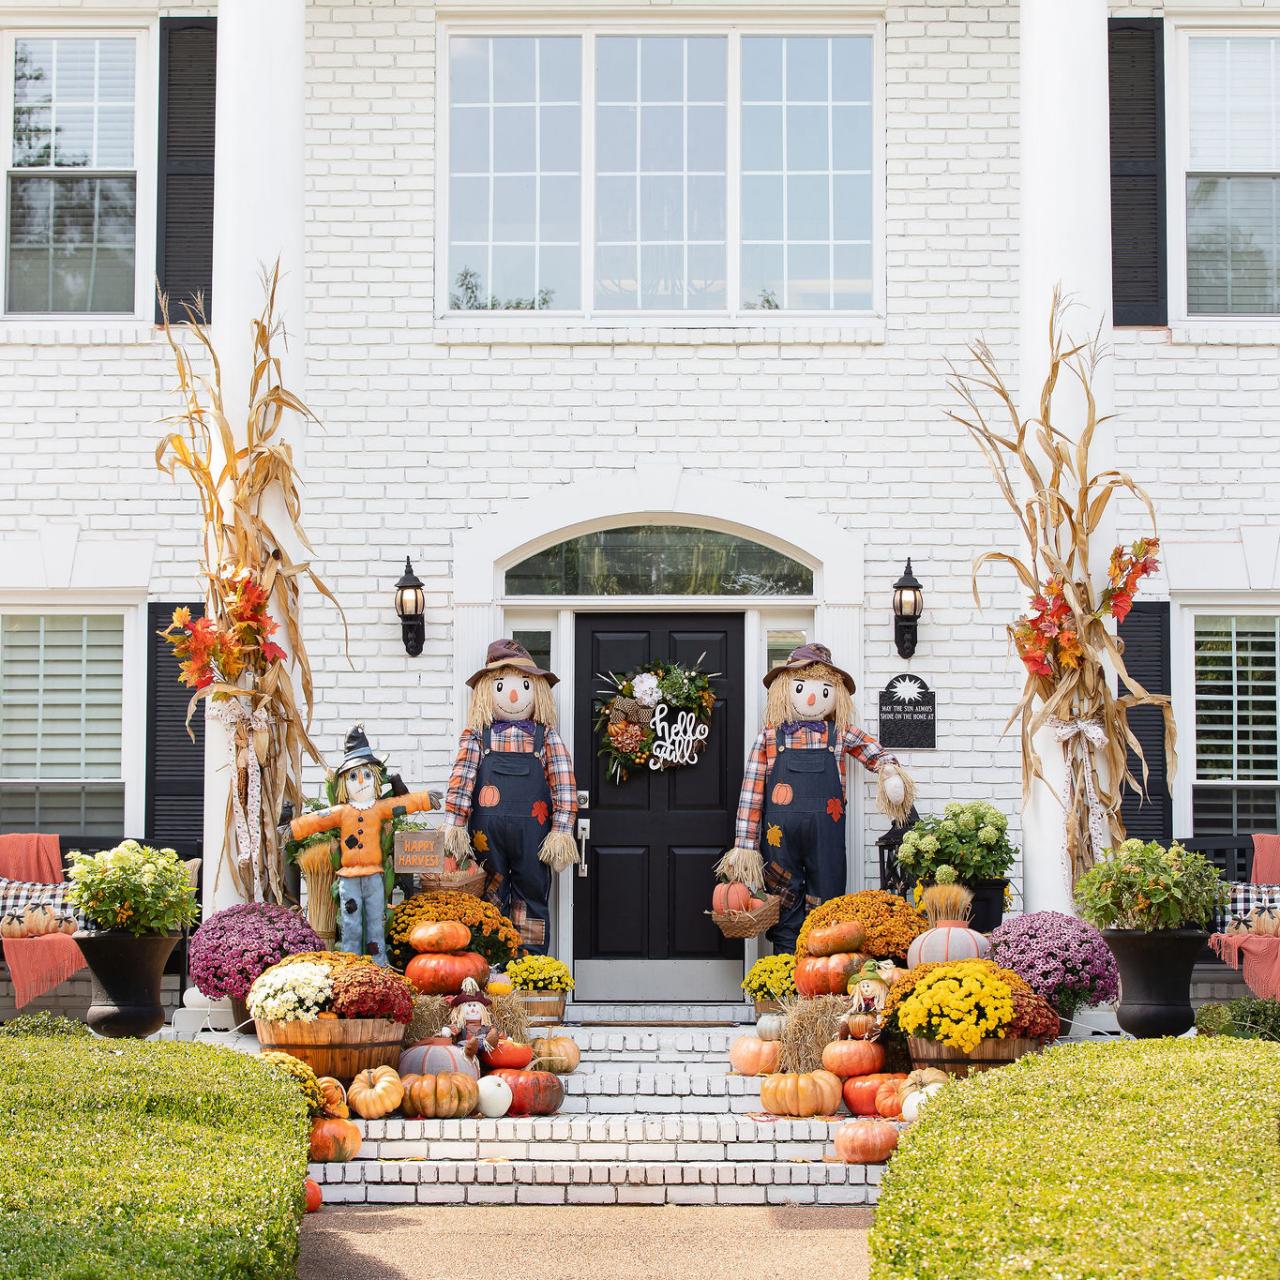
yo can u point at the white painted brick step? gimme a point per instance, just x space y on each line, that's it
607 1090
646 1013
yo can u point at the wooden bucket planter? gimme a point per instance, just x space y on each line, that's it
339 1047
544 1008
989 1053
768 1006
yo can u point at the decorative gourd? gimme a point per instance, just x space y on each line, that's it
39 920
948 940
508 1053
830 940
782 793
860 1091
533 1093
888 1104
499 987
434 974
846 1058
827 975
921 1077
428 1059
333 1139
448 1095
866 1141
557 1053
808 1093
439 935
12 927
731 897
751 1056
315 1197
860 1025
495 1097
912 1103
67 923
334 1097
769 1026
375 1092
488 796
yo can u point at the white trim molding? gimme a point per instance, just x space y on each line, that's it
1247 562
59 558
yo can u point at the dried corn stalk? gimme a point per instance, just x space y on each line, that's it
232 480
1060 508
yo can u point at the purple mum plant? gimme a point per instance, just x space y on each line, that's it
1061 958
235 945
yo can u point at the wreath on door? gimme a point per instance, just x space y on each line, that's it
657 716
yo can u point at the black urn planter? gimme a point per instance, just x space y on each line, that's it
126 980
988 904
1155 979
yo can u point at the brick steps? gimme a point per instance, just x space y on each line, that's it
608 1091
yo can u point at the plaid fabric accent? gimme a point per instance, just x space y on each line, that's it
1244 899
556 763
861 746
532 931
777 881
17 895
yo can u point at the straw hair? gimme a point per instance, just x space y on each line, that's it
480 714
777 707
947 902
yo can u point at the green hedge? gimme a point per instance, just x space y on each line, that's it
120 1158
1135 1160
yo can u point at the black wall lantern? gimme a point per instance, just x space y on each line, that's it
410 602
908 605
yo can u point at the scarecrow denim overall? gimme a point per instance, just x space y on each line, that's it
802 833
513 829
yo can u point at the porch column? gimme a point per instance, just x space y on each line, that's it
1066 239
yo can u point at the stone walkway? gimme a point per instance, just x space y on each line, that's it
580 1243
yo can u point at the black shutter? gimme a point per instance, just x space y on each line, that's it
184 215
175 764
1145 633
1138 268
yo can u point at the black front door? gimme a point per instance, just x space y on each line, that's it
640 928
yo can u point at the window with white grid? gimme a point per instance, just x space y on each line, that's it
61 703
1237 748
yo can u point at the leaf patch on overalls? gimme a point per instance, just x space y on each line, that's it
774 835
835 808
539 811
480 842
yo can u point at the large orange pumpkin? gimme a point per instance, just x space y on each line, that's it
439 935
782 793
334 1095
730 897
434 974
847 1058
844 935
866 1141
557 1053
751 1056
333 1138
375 1092
508 1053
827 975
860 1091
792 1093
488 796
533 1093
448 1095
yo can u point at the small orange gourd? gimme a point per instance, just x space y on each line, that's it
335 1097
375 1092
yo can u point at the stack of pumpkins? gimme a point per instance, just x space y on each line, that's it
443 962
832 956
759 1054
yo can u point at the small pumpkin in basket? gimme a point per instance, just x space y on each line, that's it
375 1092
734 896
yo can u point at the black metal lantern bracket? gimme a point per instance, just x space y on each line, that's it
410 606
908 605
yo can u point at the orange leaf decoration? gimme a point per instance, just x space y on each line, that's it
835 807
480 842
539 811
774 835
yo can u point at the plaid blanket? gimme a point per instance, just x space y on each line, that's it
1244 899
17 895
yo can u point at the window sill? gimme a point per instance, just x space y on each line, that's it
868 331
90 332
1261 332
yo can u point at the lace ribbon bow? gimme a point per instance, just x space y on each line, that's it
1084 733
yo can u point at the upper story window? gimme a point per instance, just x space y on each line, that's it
606 174
72 175
1233 175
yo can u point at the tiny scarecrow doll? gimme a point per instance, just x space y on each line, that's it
470 1024
794 789
512 796
359 815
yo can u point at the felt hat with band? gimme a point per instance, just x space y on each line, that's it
805 656
507 653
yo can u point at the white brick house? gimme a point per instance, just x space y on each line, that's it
938 168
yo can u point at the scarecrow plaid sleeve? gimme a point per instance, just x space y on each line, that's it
751 798
558 765
462 780
864 748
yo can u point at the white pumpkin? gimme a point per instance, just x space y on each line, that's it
495 1097
912 1103
769 1026
950 940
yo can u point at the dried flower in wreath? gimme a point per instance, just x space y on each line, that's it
1063 640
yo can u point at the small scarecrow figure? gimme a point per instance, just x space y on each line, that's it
794 788
512 796
358 815
869 990
470 1024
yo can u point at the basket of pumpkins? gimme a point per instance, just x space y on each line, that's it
738 913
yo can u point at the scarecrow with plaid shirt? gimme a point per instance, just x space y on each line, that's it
793 789
512 797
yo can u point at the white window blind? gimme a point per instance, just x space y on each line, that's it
61 702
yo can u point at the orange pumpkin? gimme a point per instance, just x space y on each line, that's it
782 793
559 1054
751 1056
315 1197
333 1138
794 1093
888 1101
488 796
375 1092
860 1025
447 1095
860 1091
866 1141
846 1058
439 935
730 897
434 974
334 1096
508 1053
827 975
844 935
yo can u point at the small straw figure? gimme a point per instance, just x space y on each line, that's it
471 1024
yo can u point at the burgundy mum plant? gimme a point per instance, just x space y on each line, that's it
235 945
1061 958
366 991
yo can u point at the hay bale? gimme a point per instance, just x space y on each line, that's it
810 1025
430 1013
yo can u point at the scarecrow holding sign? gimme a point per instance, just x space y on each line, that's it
512 796
793 789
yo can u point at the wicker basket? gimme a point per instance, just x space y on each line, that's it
469 879
544 1008
748 924
993 1052
339 1047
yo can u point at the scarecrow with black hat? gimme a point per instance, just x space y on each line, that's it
358 815
512 796
793 789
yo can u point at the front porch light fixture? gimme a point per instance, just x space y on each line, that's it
410 603
908 605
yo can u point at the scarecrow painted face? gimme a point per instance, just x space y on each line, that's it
361 784
812 699
513 696
471 1011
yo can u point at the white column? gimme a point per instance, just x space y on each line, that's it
1066 239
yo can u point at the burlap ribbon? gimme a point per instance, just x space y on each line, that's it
234 713
1081 735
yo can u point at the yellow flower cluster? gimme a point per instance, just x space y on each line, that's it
891 922
332 960
771 978
301 1074
492 934
540 973
959 1005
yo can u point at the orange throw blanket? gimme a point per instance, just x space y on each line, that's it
1266 860
36 965
1261 956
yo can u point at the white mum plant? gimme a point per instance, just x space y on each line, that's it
290 993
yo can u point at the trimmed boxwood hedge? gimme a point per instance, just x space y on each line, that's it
147 1160
1135 1160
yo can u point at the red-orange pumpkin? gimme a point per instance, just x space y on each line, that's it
751 1056
315 1197
334 1139
533 1093
488 796
730 897
860 1091
847 1058
860 1025
442 975
888 1103
782 793
827 975
439 936
844 935
512 1054
866 1141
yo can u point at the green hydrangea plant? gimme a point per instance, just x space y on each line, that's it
969 842
1142 885
133 887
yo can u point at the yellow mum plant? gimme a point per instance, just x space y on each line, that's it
492 934
890 921
958 1005
540 973
771 978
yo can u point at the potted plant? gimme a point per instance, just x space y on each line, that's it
542 982
136 900
972 841
1153 905
771 980
233 946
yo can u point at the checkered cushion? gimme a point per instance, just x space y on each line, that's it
17 895
1245 898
